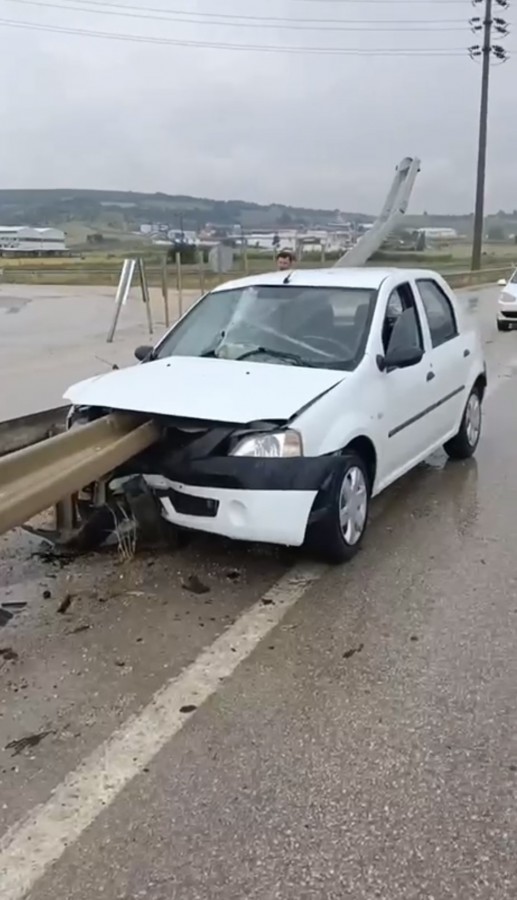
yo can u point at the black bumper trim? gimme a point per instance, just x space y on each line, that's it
254 474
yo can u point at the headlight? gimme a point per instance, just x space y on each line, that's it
507 298
283 444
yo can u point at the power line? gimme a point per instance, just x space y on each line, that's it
265 48
385 2
248 21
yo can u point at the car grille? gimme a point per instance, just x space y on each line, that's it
509 315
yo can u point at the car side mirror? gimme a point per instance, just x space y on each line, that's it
400 358
144 352
502 282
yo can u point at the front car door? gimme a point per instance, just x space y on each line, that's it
450 356
407 393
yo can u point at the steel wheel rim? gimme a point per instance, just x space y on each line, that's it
353 505
473 419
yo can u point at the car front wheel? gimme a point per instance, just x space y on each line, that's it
464 444
337 536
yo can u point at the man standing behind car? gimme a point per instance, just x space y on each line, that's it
285 260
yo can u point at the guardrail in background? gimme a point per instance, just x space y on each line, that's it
25 431
197 277
481 276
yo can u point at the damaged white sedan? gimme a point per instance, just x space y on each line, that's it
287 402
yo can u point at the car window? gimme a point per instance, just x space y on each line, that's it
439 312
401 326
513 279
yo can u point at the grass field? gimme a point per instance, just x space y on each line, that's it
103 268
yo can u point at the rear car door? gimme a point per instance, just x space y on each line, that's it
450 355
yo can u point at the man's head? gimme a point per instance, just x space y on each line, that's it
285 260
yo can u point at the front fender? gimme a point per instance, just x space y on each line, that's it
332 423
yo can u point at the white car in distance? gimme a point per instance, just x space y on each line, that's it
289 400
507 304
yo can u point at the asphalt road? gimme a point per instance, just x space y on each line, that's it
236 722
51 337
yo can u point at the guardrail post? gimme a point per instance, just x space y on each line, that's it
65 519
165 291
145 293
201 268
179 283
124 285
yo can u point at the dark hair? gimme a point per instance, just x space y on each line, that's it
286 254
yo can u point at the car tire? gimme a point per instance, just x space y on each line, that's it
464 444
337 536
503 326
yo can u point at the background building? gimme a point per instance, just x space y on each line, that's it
20 239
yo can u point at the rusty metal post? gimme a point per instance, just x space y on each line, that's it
201 267
165 291
179 283
65 517
145 293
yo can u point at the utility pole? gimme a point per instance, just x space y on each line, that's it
486 51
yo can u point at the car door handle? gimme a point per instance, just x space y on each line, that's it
466 353
429 376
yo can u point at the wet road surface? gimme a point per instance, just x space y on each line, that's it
51 337
365 747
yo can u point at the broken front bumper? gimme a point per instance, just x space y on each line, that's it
266 500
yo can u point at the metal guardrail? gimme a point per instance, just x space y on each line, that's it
481 276
40 476
110 274
24 431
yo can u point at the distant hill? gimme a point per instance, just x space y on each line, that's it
120 212
125 211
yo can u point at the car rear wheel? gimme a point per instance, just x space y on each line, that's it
503 326
337 536
463 446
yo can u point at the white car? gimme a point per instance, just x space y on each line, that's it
507 304
289 400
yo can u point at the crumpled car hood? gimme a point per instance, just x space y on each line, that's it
211 389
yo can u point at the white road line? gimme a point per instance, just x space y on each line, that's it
29 848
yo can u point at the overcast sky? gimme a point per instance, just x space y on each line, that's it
313 129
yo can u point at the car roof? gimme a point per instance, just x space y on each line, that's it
369 278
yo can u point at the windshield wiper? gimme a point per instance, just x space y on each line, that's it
276 354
